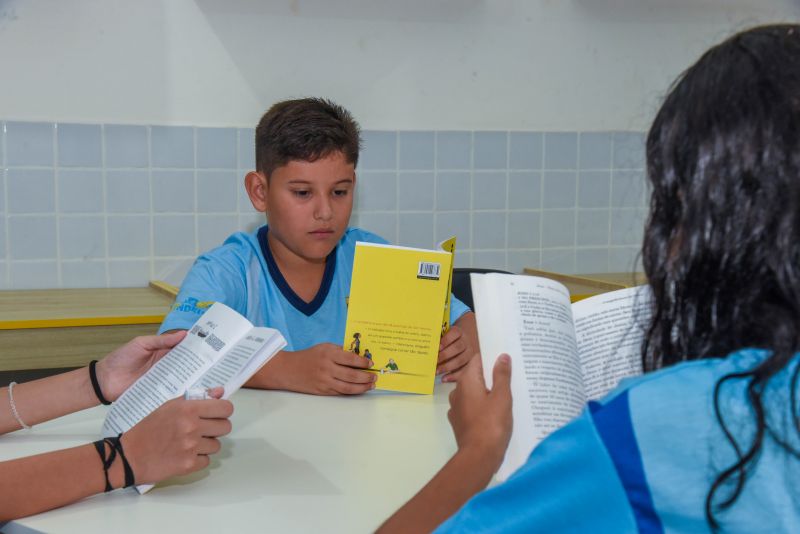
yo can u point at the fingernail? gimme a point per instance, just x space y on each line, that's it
505 358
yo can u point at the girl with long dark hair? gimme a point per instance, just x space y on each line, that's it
709 438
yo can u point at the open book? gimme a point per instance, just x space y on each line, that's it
395 312
562 355
221 349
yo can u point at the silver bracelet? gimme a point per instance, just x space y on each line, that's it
14 406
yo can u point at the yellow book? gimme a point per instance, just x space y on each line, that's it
394 314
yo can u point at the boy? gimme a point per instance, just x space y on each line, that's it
294 274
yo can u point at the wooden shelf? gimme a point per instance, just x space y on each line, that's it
582 286
59 328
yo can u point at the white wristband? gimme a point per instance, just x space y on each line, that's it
14 406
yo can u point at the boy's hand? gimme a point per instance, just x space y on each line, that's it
481 419
457 347
327 369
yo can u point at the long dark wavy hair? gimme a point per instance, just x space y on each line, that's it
722 243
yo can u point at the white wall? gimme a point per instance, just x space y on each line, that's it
414 64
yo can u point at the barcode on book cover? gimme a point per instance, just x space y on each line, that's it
428 270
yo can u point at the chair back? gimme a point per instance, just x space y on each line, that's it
462 288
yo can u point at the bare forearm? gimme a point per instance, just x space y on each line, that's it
41 400
468 472
274 374
46 481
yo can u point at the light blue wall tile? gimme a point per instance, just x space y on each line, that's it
173 191
558 228
454 223
489 190
217 191
79 274
489 259
383 224
250 222
3 208
452 190
524 229
416 190
627 226
244 200
463 258
559 260
592 228
377 191
213 230
490 150
4 276
525 190
560 189
624 260
82 237
173 235
2 242
31 191
380 150
595 150
453 150
591 260
416 150
172 146
128 273
29 143
415 230
33 275
518 260
2 153
489 229
172 271
80 191
526 150
560 151
128 191
594 189
627 189
246 149
216 148
126 146
79 145
32 237
629 150
129 236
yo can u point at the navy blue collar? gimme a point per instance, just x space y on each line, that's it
306 308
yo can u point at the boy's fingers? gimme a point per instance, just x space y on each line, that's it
347 388
353 360
353 376
208 446
450 336
212 428
453 364
216 393
453 350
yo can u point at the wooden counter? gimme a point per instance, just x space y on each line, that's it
582 286
61 328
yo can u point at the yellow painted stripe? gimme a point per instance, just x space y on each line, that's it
80 321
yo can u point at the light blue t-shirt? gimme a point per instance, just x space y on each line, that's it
644 458
243 275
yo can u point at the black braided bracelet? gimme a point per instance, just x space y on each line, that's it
114 447
96 384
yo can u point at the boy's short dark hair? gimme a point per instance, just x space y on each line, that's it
305 129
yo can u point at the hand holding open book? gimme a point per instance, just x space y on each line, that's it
221 349
562 355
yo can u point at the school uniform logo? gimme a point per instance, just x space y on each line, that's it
192 305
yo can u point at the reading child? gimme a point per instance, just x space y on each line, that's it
710 439
175 439
294 273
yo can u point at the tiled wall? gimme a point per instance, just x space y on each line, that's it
117 205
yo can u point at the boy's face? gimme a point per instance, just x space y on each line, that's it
308 205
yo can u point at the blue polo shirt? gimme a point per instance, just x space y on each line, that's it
644 458
243 275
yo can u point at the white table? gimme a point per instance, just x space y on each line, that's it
293 463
